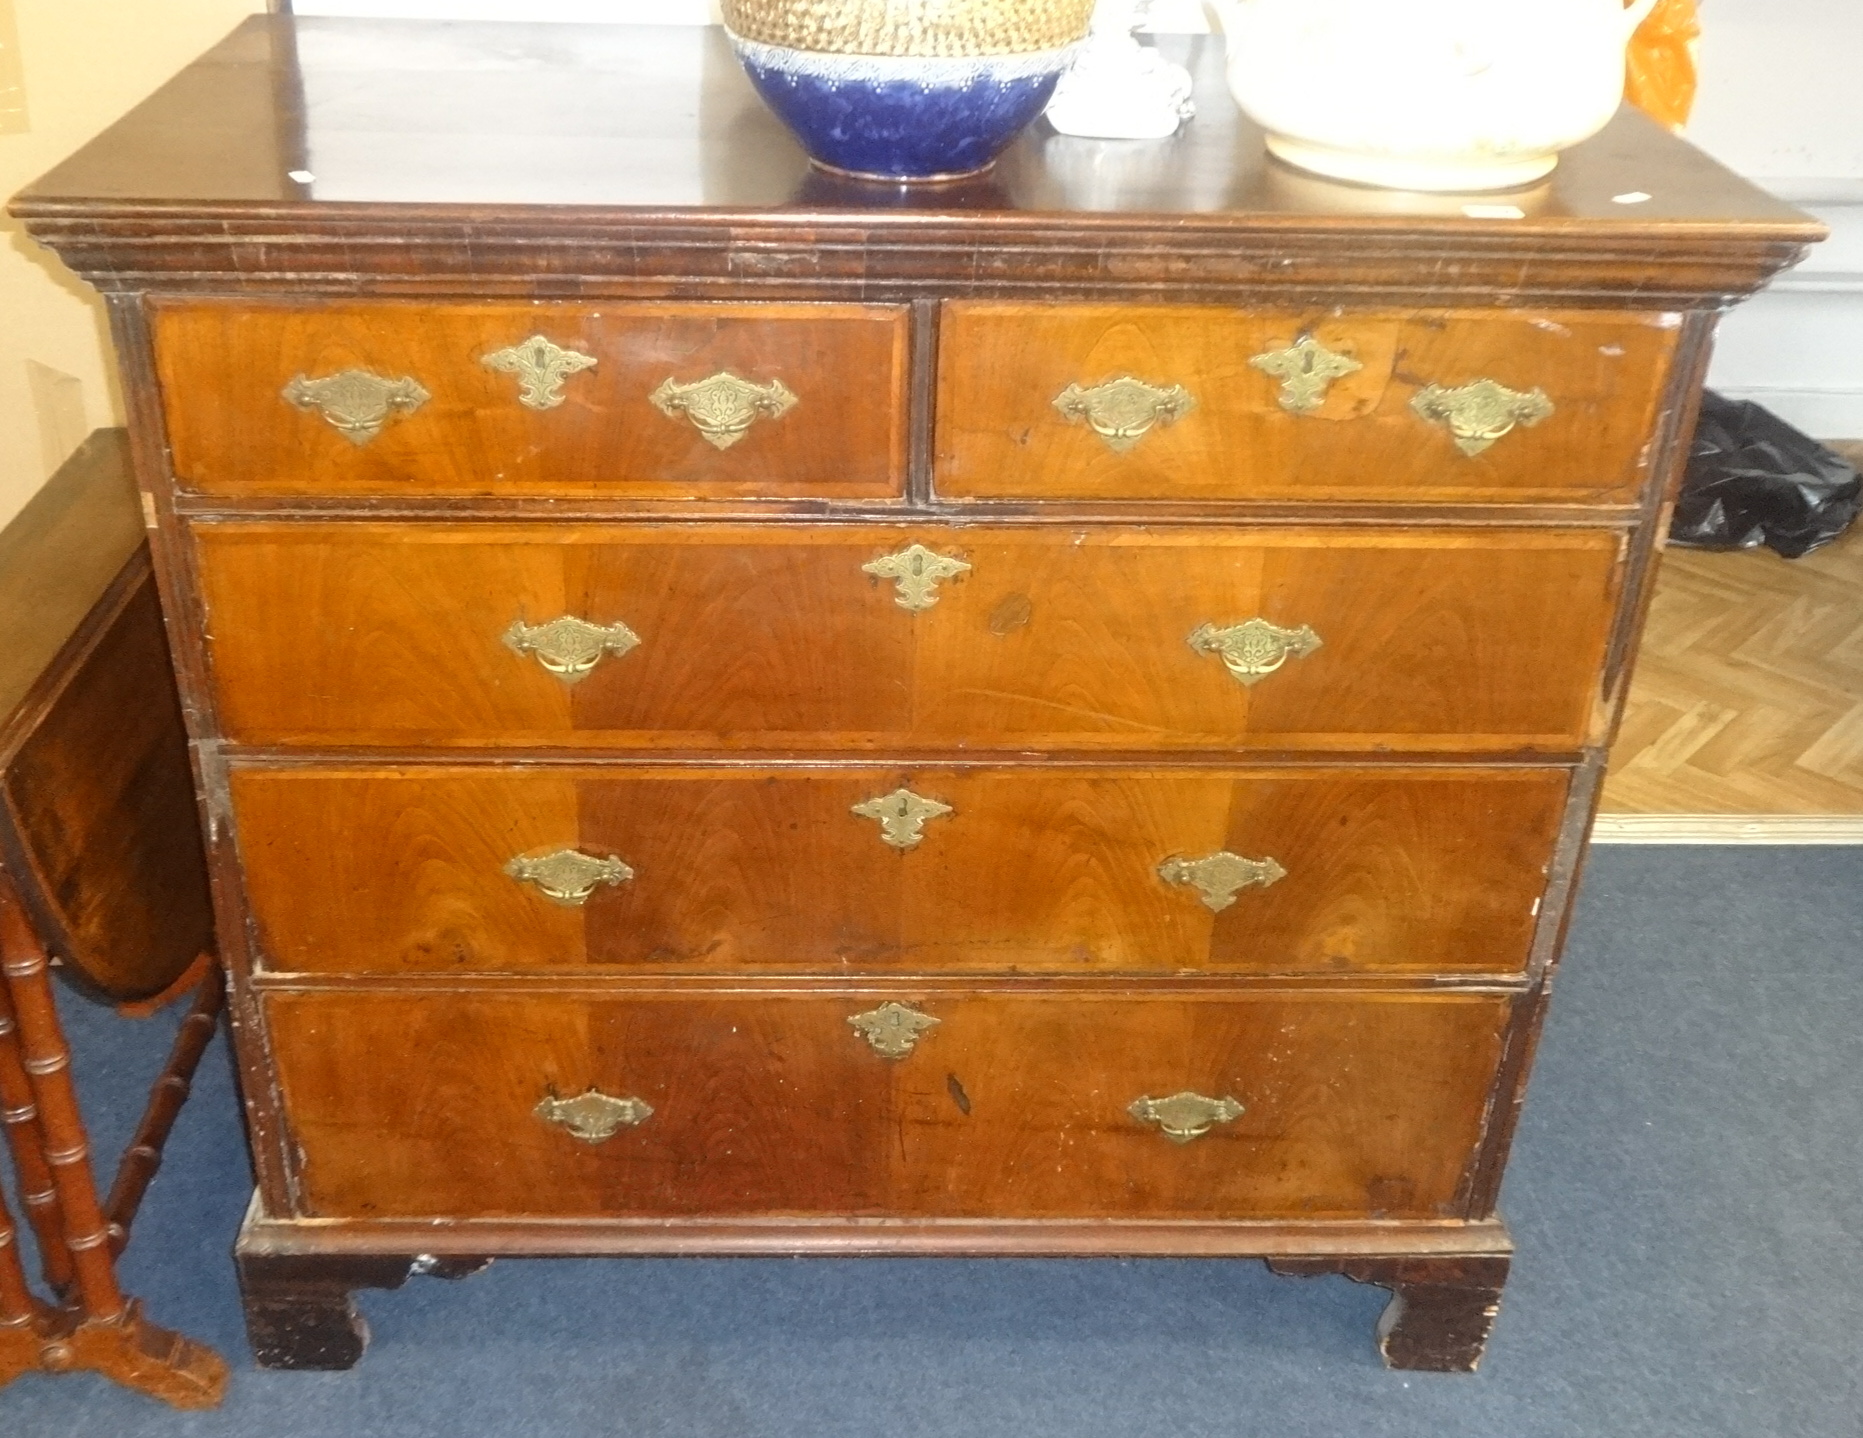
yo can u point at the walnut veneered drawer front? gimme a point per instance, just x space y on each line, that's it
1007 1105
1188 403
653 401
882 870
838 637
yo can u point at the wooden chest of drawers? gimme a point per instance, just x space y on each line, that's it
743 714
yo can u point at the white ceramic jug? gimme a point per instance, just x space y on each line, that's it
1428 94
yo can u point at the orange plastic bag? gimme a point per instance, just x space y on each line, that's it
1660 74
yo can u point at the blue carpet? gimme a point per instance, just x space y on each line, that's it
1684 1194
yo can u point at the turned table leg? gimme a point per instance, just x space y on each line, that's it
19 1113
19 1313
143 1158
100 1330
1441 1309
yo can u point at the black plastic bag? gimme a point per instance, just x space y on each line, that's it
1752 479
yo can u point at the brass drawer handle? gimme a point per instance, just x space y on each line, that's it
593 1117
1306 370
723 407
1255 648
568 876
893 1029
1184 1116
1479 413
570 647
1123 410
902 815
356 402
917 571
1220 876
541 366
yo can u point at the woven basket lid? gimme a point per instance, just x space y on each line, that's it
911 27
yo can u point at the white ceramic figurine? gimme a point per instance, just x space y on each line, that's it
1119 89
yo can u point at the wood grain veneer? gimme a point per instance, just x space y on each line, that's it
1002 365
100 801
59 554
473 436
425 208
767 870
761 637
366 744
97 817
101 872
1013 1106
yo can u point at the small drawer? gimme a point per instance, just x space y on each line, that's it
646 401
875 1103
878 870
835 638
1201 404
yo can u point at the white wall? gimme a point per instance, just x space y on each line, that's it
1782 90
1782 103
623 12
81 64
1798 348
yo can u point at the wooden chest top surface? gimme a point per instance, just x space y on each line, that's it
438 151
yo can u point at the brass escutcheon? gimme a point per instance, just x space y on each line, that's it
1217 877
1480 412
356 402
541 366
1255 648
569 647
1306 370
1122 410
902 815
917 572
894 1029
1187 1115
593 1117
568 876
723 407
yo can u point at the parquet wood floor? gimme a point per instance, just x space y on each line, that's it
1748 696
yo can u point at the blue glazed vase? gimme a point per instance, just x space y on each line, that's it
903 117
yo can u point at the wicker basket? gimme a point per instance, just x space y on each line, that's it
911 27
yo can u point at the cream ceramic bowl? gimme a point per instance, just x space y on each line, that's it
1428 94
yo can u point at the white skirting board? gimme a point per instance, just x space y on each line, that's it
1827 414
1728 829
1794 348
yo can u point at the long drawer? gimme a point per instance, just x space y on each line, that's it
825 637
647 401
707 870
1092 402
1008 1105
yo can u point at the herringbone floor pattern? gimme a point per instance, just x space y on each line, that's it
1748 697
